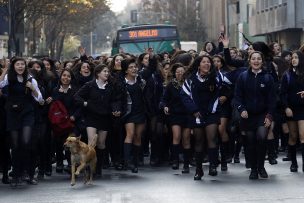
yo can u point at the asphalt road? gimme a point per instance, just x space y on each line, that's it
162 184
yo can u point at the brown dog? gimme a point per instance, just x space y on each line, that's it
81 154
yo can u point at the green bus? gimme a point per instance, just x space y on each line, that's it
137 39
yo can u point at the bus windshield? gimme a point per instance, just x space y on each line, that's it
140 47
137 39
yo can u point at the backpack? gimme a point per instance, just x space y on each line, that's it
59 118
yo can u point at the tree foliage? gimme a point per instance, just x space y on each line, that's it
54 19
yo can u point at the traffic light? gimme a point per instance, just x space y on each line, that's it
133 16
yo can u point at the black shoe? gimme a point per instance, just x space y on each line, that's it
141 163
146 153
198 174
248 165
273 161
175 165
25 177
186 169
224 167
67 169
262 172
294 168
229 160
154 162
119 166
48 171
134 170
11 174
253 175
236 160
212 171
40 175
15 182
286 159
282 149
5 179
98 171
59 169
32 181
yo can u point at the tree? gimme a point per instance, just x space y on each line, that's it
57 18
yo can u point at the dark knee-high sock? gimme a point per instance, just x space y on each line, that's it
127 152
293 154
186 157
136 151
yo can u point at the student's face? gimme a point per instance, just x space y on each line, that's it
295 59
85 70
217 62
205 66
69 65
166 57
276 48
288 58
209 47
145 60
166 70
256 61
179 73
47 65
118 60
19 67
65 78
36 67
233 53
132 70
104 74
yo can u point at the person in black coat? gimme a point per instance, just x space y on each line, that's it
114 143
178 117
134 111
254 98
201 94
64 92
100 102
225 113
22 89
42 130
292 97
5 157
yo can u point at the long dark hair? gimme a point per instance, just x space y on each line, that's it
100 68
12 75
52 64
264 49
300 67
112 63
195 65
141 58
41 76
72 77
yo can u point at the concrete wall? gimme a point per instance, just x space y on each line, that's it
212 15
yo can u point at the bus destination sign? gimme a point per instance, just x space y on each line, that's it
147 34
143 33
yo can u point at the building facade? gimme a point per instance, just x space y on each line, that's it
280 20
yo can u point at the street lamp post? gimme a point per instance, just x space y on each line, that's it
9 47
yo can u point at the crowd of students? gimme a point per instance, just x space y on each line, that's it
204 105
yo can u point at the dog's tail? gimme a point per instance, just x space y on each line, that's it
93 142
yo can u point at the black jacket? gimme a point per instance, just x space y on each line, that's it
99 101
255 93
